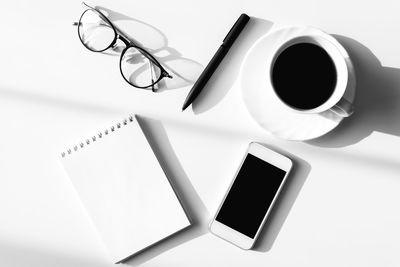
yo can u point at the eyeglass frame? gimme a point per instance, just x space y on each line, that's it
128 44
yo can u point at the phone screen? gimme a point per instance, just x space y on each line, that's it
250 196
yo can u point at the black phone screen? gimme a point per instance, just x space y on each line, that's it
250 196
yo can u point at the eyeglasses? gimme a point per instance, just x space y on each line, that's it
138 67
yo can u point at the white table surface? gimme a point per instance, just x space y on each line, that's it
341 207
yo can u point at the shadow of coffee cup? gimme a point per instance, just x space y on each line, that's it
312 73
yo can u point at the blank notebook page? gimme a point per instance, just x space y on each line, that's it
124 189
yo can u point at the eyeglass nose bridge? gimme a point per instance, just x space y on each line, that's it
123 39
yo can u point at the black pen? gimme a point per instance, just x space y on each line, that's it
217 58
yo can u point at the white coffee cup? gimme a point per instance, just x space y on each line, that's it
345 76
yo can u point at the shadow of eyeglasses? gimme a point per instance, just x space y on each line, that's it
184 70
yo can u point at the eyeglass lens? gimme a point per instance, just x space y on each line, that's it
96 33
137 69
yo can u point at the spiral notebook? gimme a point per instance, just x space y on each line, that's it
124 189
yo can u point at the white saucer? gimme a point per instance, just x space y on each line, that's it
264 105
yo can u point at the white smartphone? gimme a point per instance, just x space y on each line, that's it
251 196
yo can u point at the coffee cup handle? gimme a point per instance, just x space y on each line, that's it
343 108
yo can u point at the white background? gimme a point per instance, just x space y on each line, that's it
341 207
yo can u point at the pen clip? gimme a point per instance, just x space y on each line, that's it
234 26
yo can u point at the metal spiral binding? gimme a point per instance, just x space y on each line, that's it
99 135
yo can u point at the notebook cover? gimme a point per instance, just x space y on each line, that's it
124 189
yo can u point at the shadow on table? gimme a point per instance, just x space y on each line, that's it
13 254
190 200
283 204
377 103
228 71
185 71
58 102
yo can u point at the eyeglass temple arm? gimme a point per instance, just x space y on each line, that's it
86 5
120 34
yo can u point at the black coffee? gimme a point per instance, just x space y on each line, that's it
304 76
